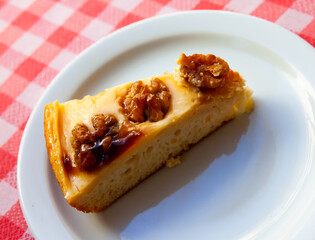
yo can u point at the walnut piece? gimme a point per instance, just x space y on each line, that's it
203 71
94 147
110 120
106 143
98 122
81 133
146 102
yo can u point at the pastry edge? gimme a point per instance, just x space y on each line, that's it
53 144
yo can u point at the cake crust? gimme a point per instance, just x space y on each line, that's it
53 146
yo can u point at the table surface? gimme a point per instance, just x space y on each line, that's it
38 38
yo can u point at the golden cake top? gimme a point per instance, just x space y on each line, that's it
104 129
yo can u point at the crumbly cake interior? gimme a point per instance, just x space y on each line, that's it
103 145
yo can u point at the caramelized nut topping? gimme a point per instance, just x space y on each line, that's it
81 133
87 160
110 120
203 71
98 122
146 102
106 143
154 108
109 138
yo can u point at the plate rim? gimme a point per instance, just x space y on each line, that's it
43 99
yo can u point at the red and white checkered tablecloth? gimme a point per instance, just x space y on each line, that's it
38 38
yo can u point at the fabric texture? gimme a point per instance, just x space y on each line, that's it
38 39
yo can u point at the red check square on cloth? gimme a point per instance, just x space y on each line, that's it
38 38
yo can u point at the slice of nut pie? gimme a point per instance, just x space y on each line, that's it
102 146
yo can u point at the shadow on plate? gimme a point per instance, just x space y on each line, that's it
167 181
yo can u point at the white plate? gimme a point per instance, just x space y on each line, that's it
253 178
